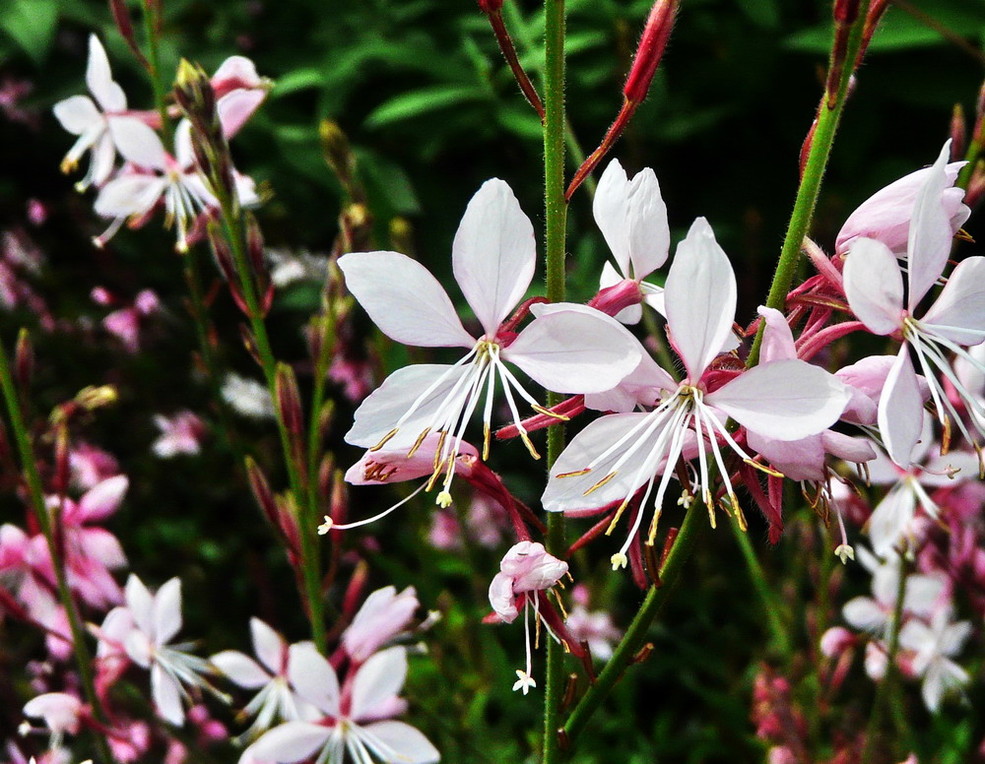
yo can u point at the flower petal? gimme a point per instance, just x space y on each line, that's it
138 143
958 314
891 519
900 416
268 645
240 669
103 499
700 298
99 78
930 236
400 742
610 208
313 677
786 400
140 602
778 344
288 743
404 299
77 114
167 611
377 681
167 695
874 286
494 254
574 349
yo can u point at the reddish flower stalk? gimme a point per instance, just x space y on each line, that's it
492 10
123 22
659 24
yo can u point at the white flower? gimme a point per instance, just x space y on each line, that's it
935 644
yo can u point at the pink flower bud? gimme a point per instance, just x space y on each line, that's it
526 567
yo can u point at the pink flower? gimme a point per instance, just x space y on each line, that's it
239 91
61 713
180 434
356 717
493 257
383 616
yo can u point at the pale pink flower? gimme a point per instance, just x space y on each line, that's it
248 397
275 700
525 571
592 626
180 434
935 644
62 713
90 465
615 456
383 616
493 256
356 717
239 91
885 216
874 287
125 323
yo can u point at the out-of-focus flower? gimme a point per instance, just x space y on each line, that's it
62 713
383 616
125 322
248 397
592 626
935 644
180 434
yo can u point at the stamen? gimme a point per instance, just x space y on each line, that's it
576 473
547 412
600 483
417 443
386 439
367 521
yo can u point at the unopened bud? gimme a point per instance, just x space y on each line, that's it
325 417
123 22
62 467
976 186
326 470
250 343
288 399
402 235
959 132
340 495
659 24
23 361
353 598
356 223
91 398
337 152
261 490
254 244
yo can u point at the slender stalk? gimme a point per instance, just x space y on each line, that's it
152 24
770 602
233 227
694 524
556 218
887 686
828 118
35 490
326 328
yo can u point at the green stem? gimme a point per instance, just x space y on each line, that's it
151 25
828 117
233 226
32 478
887 686
556 218
695 522
771 603
326 329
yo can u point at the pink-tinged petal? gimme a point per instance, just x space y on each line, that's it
954 636
574 349
863 614
101 546
786 400
531 567
103 499
930 235
886 214
700 298
383 615
167 611
167 696
502 599
569 493
99 78
129 195
642 386
901 410
59 710
238 69
399 742
798 460
240 669
891 519
494 254
377 681
874 286
778 344
404 300
610 277
288 743
141 604
138 143
379 413
313 677
958 314
78 114
236 107
392 465
848 448
269 646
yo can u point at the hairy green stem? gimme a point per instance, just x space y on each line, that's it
695 521
556 218
828 117
233 227
35 489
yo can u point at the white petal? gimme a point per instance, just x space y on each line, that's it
649 231
494 254
700 298
404 299
167 696
942 676
786 400
138 143
778 344
99 78
129 195
141 604
958 314
379 413
100 501
929 241
901 410
268 645
289 743
167 611
313 677
864 614
378 680
575 349
406 744
610 208
567 493
77 114
874 286
240 669
891 519
925 593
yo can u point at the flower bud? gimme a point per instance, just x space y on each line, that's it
123 23
288 399
91 398
959 132
659 24
402 235
23 361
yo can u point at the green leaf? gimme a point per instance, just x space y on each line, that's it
299 79
763 13
31 23
420 102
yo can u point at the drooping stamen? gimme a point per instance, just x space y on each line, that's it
328 525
